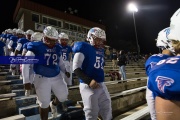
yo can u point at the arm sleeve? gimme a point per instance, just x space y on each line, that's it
77 63
62 65
24 51
7 41
4 39
10 44
25 69
19 45
78 60
151 103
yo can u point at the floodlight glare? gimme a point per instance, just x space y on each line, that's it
132 7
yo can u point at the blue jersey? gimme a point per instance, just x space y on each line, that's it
153 60
51 57
2 35
22 41
14 39
93 62
9 35
2 44
164 79
25 45
66 50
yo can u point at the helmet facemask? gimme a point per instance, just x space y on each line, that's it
63 39
96 37
50 42
63 42
50 36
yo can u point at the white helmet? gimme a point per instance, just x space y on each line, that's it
65 38
162 38
37 36
19 31
96 32
50 32
9 31
176 15
175 26
14 30
29 32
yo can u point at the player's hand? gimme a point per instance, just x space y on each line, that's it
67 74
94 85
10 50
27 86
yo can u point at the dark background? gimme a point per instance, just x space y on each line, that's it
152 17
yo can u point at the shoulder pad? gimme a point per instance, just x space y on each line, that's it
80 47
34 46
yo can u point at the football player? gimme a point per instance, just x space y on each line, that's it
12 46
66 54
28 34
164 77
47 76
162 42
6 41
22 41
35 37
88 65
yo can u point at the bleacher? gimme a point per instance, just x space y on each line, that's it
125 95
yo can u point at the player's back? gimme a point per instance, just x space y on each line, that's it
14 39
153 60
164 78
22 41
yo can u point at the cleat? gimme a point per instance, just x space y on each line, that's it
27 93
53 110
64 106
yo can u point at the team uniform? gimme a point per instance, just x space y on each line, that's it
47 76
7 42
161 43
153 60
66 50
164 79
25 47
13 43
91 61
150 63
20 44
31 73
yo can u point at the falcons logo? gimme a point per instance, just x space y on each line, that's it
153 64
163 81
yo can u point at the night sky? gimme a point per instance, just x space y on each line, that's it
152 17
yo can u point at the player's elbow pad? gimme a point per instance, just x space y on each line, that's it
82 76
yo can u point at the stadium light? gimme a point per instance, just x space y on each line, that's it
132 8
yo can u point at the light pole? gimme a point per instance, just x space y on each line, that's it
132 7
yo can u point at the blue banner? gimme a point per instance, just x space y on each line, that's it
22 60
